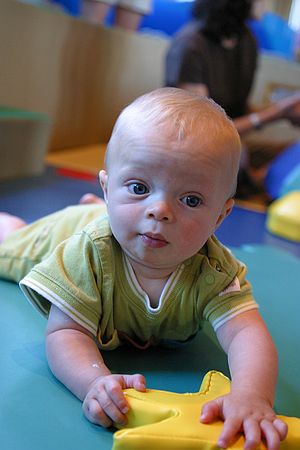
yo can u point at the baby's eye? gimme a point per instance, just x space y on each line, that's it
138 189
191 200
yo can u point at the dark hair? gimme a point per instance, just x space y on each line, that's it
222 18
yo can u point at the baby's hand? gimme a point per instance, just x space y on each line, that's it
247 413
105 402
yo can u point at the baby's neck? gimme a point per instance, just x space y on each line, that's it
152 281
153 289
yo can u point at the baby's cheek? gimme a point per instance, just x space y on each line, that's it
195 236
123 221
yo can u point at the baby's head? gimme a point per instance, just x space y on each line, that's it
173 159
178 116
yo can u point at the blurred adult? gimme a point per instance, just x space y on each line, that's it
216 55
128 13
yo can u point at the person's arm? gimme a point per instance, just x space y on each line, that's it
75 360
287 108
252 359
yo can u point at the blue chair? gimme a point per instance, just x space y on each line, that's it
167 16
291 182
72 7
280 36
284 172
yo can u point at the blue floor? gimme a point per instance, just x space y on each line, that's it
245 226
34 197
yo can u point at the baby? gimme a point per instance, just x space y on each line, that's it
151 269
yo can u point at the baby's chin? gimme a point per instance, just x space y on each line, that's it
154 264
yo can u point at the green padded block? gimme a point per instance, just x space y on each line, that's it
11 113
36 411
24 142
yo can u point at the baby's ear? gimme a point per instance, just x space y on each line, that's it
103 182
227 208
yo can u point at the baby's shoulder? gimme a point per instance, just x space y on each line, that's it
97 239
98 229
219 257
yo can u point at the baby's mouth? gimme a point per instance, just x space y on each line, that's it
153 240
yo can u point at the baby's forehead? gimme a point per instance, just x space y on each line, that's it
203 129
153 150
166 139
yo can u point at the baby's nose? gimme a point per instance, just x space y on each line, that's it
161 211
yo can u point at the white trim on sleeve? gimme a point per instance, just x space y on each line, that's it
28 283
247 306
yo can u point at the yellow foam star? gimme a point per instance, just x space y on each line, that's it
160 420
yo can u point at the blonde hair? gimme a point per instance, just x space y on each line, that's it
183 111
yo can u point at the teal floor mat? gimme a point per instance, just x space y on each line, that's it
36 411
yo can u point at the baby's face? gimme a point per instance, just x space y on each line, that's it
165 198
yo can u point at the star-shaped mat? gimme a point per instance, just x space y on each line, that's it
160 420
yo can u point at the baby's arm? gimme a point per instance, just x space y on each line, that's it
75 360
248 408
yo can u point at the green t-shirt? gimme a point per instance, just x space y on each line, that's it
89 278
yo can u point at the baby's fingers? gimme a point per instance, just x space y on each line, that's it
113 401
211 411
281 428
95 414
230 430
135 381
252 433
274 432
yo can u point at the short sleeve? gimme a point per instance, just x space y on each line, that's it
70 278
234 299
